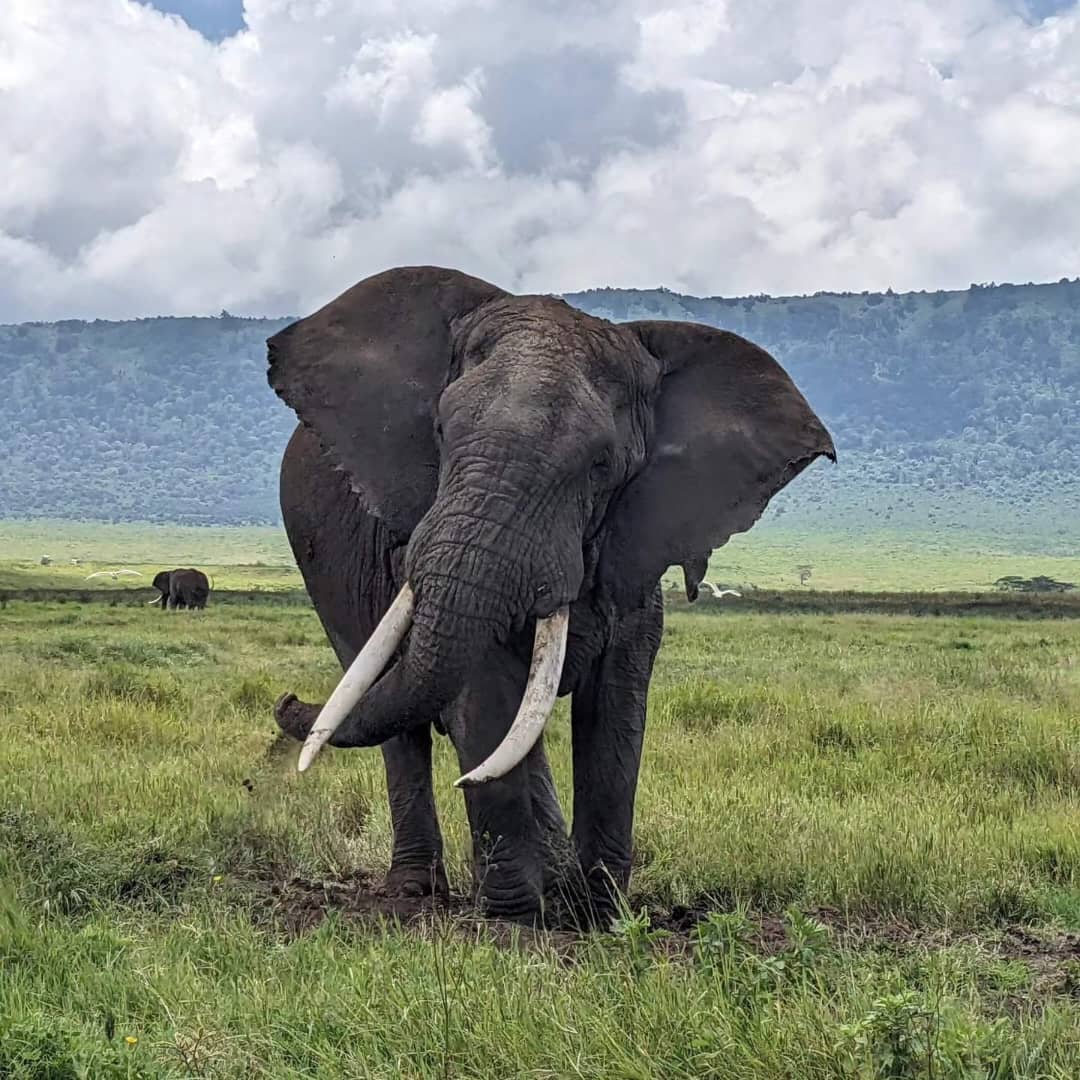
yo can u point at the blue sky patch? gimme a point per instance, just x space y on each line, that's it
1037 10
214 19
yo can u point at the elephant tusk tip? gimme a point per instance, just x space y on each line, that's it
361 673
541 690
474 779
307 756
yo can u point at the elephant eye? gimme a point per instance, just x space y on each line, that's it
600 469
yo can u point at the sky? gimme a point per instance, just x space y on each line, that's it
263 156
214 19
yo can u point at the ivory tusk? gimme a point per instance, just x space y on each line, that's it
363 671
545 671
156 600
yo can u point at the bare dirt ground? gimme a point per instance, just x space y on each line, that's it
299 905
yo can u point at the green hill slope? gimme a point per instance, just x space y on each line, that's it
957 409
153 419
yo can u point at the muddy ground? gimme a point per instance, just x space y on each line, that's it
298 906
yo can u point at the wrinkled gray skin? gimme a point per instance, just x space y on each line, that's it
508 455
182 588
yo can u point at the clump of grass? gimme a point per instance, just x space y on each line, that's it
157 653
44 1045
835 735
255 696
51 867
68 648
1039 764
121 683
703 705
91 648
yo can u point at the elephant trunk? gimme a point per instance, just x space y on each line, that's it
469 586
428 675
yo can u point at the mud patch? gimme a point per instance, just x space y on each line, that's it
1051 956
298 905
301 905
1035 946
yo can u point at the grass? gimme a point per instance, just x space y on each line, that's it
908 559
237 557
880 813
142 544
878 560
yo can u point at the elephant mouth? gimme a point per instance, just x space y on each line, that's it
537 700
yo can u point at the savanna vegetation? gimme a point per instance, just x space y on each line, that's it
953 412
773 556
858 855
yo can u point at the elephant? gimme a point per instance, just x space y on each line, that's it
181 588
482 493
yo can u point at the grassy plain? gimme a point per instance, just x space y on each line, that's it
904 789
237 557
769 557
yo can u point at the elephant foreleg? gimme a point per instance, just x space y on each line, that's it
608 719
518 832
416 864
556 850
352 570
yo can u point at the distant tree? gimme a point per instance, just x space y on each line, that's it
1013 583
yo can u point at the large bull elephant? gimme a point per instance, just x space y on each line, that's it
181 588
476 474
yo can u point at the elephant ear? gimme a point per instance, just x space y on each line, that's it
365 373
731 429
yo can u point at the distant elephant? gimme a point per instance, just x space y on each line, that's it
183 588
476 473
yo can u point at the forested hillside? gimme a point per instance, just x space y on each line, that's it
980 387
949 395
153 419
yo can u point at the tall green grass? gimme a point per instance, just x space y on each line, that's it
913 779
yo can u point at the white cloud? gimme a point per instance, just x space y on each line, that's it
715 146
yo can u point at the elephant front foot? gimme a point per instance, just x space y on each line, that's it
414 881
295 717
604 897
509 890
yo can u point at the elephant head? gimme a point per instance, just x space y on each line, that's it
161 583
532 458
